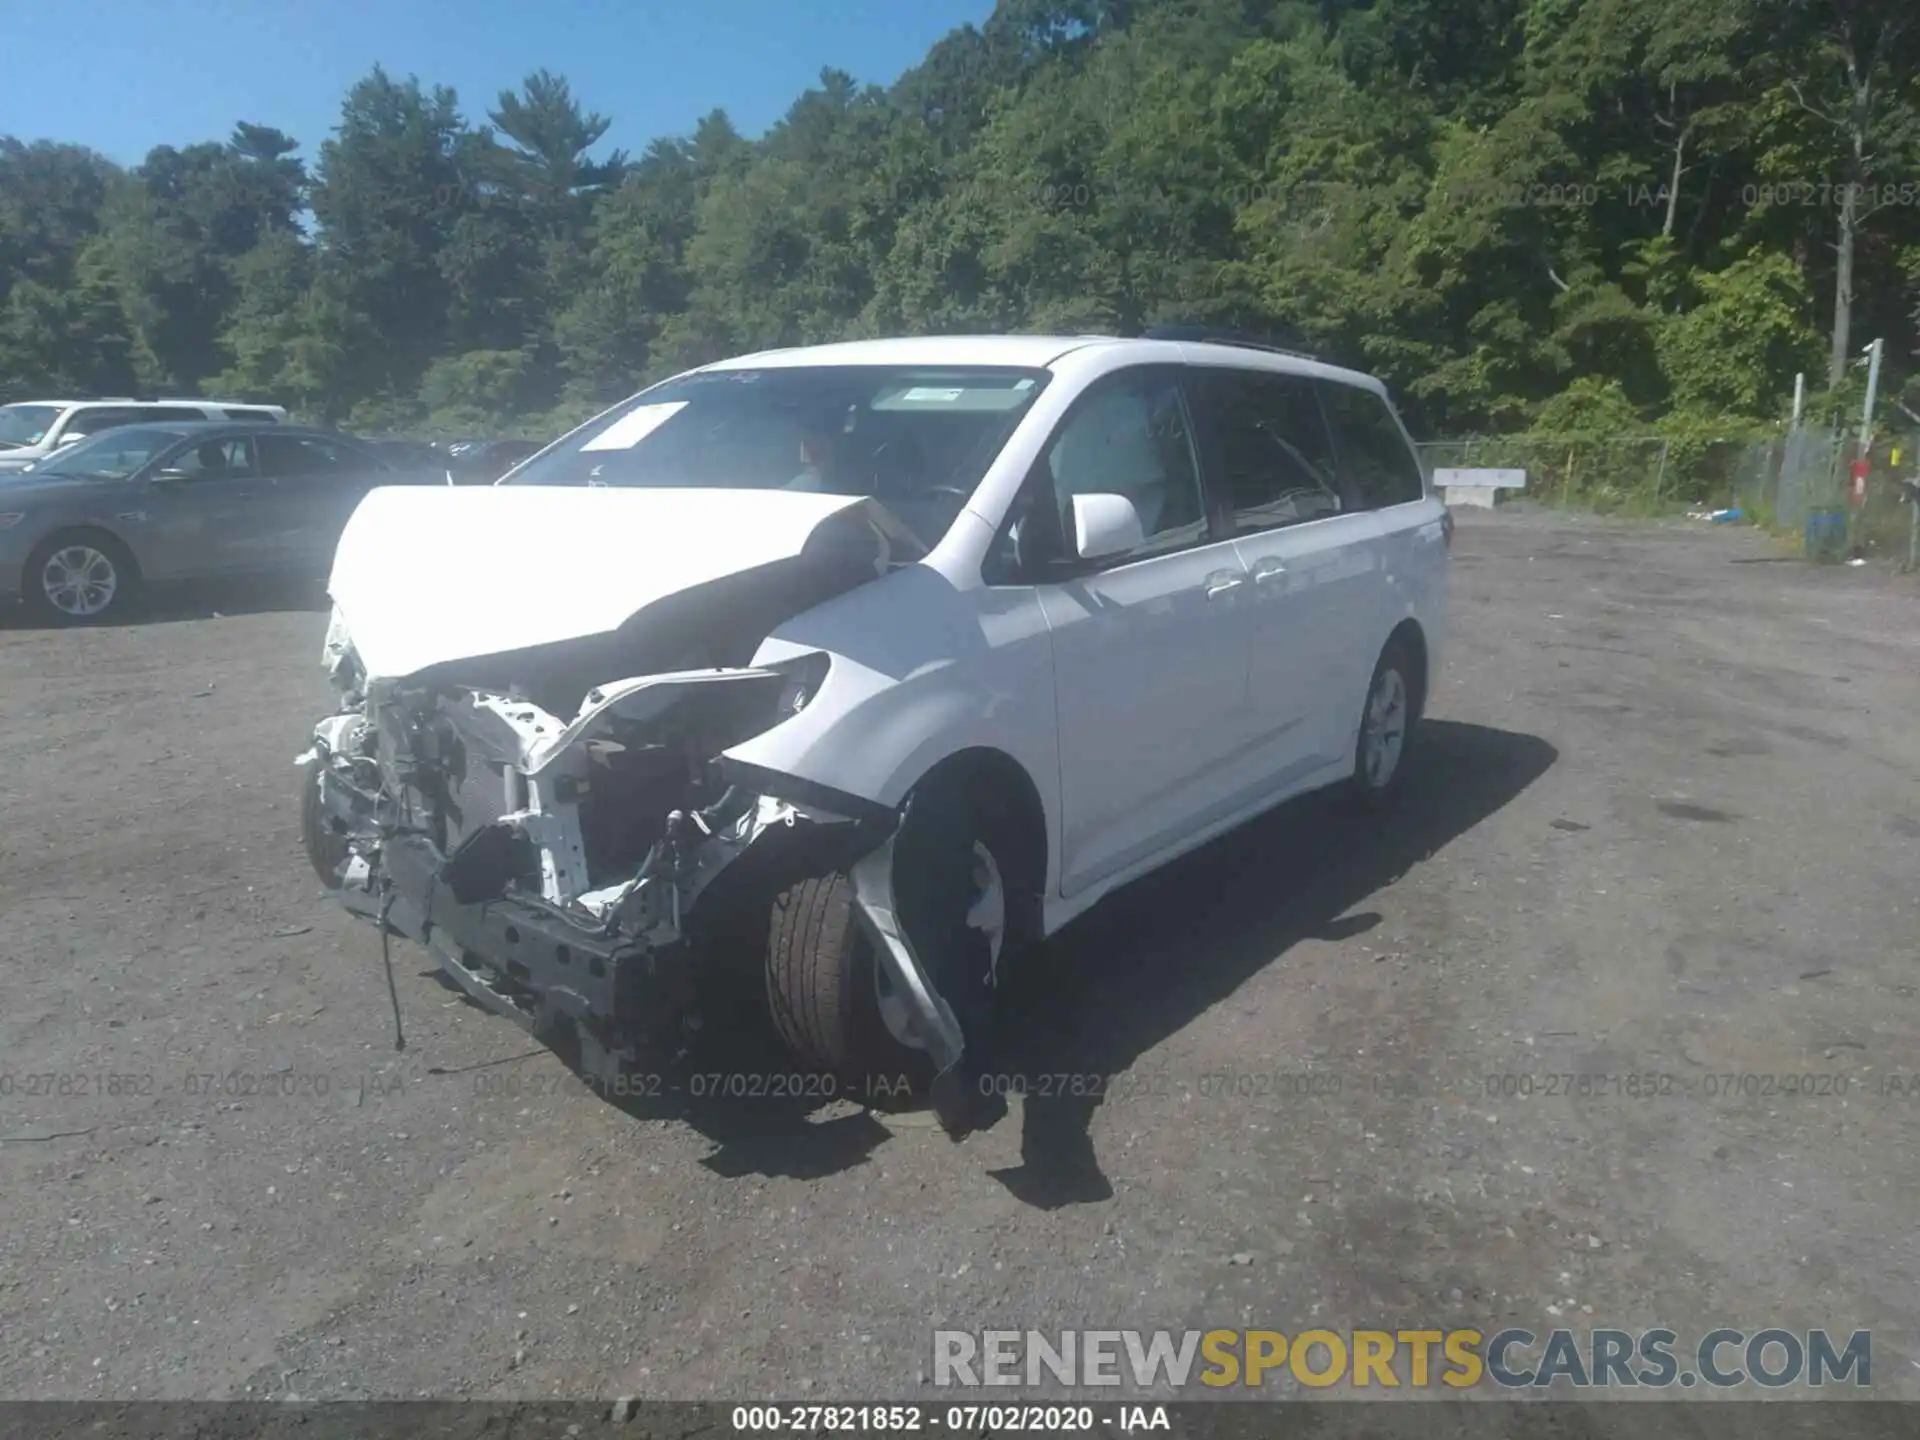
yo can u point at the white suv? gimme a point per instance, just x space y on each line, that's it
33 429
892 655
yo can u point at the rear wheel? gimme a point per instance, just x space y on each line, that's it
1388 724
80 577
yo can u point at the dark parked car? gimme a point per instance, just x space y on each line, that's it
409 454
481 462
84 529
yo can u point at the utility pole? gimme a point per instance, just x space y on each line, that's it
1873 391
1799 399
1858 490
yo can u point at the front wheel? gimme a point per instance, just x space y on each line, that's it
1388 724
82 577
327 849
834 999
824 986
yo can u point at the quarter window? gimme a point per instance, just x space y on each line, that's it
1272 447
1376 466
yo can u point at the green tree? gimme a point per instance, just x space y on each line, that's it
387 196
1843 122
1737 350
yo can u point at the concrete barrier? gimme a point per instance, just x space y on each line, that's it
1477 487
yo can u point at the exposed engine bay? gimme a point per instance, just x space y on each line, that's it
565 844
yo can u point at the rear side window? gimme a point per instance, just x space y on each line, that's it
1376 467
266 416
1271 446
301 455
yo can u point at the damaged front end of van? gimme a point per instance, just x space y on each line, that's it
542 781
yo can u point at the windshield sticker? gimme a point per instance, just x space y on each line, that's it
634 426
928 393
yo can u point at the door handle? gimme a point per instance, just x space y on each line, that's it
1221 581
1268 570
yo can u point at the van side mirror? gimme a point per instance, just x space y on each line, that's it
1105 526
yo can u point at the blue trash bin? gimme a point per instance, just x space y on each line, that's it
1826 537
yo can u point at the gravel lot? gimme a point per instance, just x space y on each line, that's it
1668 820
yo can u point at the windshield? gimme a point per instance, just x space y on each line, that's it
111 455
22 425
916 439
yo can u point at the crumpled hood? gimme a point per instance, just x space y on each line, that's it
429 574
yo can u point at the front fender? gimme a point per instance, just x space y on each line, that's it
919 671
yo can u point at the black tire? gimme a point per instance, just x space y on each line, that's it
821 988
114 563
327 851
822 969
1373 786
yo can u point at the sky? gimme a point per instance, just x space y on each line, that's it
125 76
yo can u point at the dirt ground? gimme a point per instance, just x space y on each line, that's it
1667 820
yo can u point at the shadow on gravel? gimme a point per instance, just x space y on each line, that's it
198 600
1147 961
1109 987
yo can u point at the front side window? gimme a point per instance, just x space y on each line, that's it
113 454
1272 447
1127 436
24 425
1377 467
225 459
916 439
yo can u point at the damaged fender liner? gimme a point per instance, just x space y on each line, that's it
879 819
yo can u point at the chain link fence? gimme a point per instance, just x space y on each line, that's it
1796 483
1786 481
1613 472
1799 484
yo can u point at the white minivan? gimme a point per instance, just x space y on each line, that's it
893 656
31 430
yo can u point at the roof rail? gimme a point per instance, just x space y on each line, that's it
1210 335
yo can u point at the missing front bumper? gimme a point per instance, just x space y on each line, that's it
598 966
528 964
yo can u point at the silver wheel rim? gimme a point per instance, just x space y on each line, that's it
986 912
1386 731
79 580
